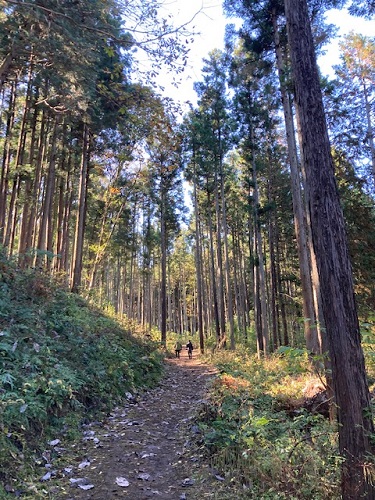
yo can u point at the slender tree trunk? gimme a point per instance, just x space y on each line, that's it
329 240
36 189
310 320
228 280
213 278
236 284
60 219
46 220
163 288
7 153
65 252
19 161
220 273
81 215
26 212
243 289
370 128
281 295
198 265
261 276
274 315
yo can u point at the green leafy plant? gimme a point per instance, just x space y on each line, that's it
61 360
259 436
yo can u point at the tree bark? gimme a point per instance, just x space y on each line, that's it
213 277
310 321
261 273
81 215
7 152
334 268
163 291
198 265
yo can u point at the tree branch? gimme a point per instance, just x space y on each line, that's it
107 34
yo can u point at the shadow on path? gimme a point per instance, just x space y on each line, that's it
141 450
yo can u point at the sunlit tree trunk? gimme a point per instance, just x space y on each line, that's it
163 284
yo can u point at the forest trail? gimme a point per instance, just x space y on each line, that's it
142 450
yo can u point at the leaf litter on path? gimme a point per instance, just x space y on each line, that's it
144 449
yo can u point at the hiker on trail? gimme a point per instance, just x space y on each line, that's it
189 347
177 348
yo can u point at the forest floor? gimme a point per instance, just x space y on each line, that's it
145 448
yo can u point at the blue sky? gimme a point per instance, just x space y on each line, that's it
210 23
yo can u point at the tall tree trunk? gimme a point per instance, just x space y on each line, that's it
31 231
46 220
281 293
228 280
213 277
310 320
26 212
261 274
19 161
243 289
329 240
7 152
198 265
81 215
274 314
219 256
370 128
163 288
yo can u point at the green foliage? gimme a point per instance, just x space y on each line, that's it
61 361
260 437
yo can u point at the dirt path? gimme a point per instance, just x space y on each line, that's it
142 450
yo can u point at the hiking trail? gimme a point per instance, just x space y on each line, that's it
144 448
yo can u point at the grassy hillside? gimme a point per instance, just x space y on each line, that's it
61 362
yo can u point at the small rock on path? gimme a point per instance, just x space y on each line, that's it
142 450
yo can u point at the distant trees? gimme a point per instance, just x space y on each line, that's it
355 80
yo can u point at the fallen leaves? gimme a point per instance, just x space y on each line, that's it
144 476
142 446
82 483
122 481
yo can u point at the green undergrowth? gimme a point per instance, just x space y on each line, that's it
259 436
61 362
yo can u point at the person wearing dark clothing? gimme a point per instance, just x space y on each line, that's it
189 347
